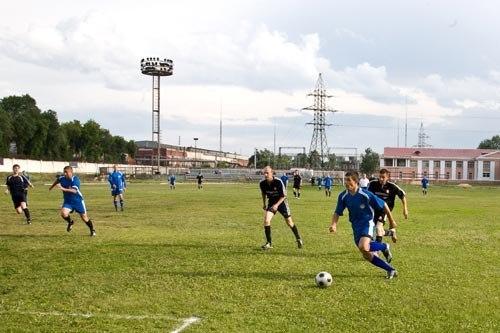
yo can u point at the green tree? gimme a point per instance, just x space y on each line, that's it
72 132
55 141
314 160
264 157
300 160
370 162
6 132
493 143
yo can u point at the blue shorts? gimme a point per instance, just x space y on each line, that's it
328 188
116 191
78 207
365 230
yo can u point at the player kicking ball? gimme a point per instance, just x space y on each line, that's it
73 199
361 205
274 189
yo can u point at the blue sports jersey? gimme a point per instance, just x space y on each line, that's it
284 179
328 181
172 179
73 182
425 182
117 178
361 206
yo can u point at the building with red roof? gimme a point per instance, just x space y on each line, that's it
442 163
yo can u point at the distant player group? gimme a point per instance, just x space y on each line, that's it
368 203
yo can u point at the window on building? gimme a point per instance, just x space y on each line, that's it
486 175
447 164
486 166
470 175
425 164
401 162
400 175
459 164
388 162
459 175
470 164
436 175
425 173
437 164
413 163
413 174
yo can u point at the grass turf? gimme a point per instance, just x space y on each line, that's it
175 254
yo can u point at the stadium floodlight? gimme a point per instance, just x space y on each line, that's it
155 68
195 151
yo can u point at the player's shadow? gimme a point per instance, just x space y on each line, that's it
37 236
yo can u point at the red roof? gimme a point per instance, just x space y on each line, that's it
436 152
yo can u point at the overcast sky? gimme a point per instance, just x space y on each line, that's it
255 61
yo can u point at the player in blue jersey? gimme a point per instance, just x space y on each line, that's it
73 199
319 182
17 185
171 180
118 185
284 179
425 185
362 205
328 181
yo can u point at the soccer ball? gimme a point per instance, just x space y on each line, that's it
324 279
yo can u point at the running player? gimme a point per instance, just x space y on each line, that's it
328 185
73 199
118 185
17 186
274 189
361 205
387 191
297 182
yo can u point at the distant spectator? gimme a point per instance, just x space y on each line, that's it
364 182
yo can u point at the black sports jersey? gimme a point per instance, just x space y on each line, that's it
273 190
296 181
199 178
386 192
17 184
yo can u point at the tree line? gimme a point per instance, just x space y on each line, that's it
28 132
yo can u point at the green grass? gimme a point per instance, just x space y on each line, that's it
177 254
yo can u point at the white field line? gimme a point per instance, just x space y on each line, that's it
185 322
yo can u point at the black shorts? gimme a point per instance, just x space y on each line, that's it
379 217
18 198
282 208
296 186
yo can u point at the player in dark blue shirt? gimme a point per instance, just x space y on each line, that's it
361 205
199 180
171 180
73 199
274 189
118 185
425 185
17 186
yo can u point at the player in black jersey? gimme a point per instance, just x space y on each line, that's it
17 186
297 182
199 180
387 191
273 188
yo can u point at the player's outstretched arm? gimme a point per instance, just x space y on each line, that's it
405 207
54 184
333 225
392 222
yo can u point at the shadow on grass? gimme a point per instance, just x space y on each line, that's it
287 251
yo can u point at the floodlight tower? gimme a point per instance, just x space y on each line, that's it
156 68
318 140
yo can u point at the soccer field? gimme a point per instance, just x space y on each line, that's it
190 260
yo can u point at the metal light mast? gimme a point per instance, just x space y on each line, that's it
319 142
155 67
